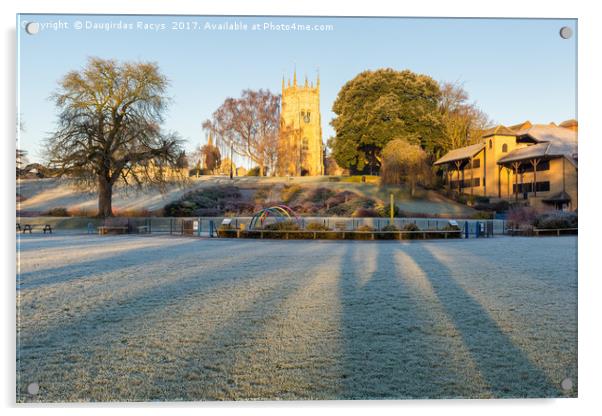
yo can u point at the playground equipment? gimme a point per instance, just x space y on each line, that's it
280 212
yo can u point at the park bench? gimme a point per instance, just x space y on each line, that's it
27 227
18 227
47 227
114 226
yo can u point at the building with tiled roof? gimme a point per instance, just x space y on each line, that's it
536 163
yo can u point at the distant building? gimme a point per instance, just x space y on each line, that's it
537 163
300 148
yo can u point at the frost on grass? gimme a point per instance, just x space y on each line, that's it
160 318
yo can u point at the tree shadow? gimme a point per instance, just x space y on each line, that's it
107 263
389 350
504 366
107 325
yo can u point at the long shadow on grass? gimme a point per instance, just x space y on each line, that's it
110 319
223 361
504 366
110 262
105 328
388 353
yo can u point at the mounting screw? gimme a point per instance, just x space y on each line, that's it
566 32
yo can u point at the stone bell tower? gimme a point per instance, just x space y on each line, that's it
300 149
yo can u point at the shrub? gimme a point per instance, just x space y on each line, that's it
253 171
556 219
365 227
365 213
522 217
290 192
262 194
450 227
57 212
385 210
390 227
320 195
282 226
316 226
410 227
215 199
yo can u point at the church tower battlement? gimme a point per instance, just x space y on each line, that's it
300 145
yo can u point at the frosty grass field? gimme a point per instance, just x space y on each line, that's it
126 318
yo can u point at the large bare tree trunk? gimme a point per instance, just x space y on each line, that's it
105 198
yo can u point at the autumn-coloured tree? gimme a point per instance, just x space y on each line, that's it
109 128
377 106
403 162
463 121
211 157
249 125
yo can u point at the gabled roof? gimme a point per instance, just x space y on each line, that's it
551 141
461 153
521 126
498 131
569 123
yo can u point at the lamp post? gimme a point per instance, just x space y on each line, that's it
391 209
231 163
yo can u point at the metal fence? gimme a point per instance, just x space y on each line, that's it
206 226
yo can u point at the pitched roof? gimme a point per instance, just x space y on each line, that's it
521 126
461 153
551 141
498 131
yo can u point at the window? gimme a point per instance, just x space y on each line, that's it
504 148
476 182
528 187
305 145
476 163
307 117
490 144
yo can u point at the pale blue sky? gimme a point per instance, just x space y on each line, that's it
515 69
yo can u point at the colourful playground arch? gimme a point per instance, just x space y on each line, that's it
280 212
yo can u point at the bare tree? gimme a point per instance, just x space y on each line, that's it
109 128
403 162
249 125
463 121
